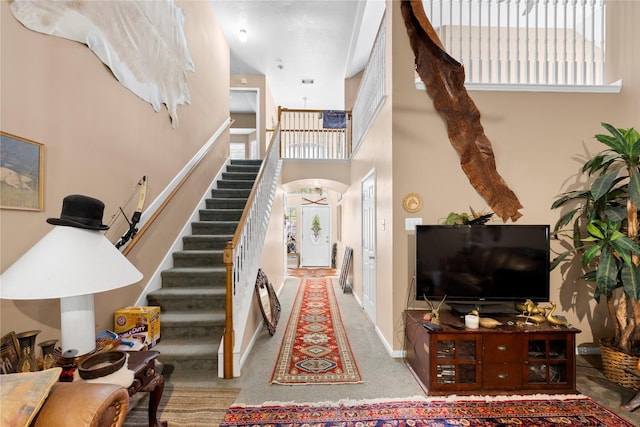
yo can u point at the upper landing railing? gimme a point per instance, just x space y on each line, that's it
524 42
314 134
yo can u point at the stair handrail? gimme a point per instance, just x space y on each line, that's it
154 210
242 254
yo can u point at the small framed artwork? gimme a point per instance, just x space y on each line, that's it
9 353
21 173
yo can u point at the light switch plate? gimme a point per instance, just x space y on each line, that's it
410 223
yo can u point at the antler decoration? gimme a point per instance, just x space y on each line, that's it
443 77
435 311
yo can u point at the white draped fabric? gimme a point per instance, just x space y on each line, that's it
142 42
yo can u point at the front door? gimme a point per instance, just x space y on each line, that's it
369 246
315 233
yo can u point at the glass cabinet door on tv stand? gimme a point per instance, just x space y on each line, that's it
456 366
549 363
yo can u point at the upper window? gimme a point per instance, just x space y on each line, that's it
524 42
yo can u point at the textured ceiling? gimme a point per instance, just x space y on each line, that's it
324 41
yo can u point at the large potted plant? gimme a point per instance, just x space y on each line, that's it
603 221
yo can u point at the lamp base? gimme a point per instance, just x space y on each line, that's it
77 325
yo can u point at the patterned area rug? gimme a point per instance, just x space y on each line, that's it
315 348
185 407
525 411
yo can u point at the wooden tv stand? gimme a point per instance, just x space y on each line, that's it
505 360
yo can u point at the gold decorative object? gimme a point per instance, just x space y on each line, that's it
531 312
554 320
534 319
486 322
412 202
521 307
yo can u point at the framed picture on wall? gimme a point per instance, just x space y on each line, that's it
21 173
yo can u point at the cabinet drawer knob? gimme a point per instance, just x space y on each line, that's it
503 376
502 347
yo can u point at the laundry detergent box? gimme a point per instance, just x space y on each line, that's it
140 323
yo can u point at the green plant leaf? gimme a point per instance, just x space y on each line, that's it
616 141
624 247
570 196
589 254
565 220
630 275
597 228
634 186
603 184
616 213
607 273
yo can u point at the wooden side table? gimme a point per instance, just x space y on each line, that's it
147 378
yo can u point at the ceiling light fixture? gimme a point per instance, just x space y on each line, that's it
243 36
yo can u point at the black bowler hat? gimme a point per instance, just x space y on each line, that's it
81 212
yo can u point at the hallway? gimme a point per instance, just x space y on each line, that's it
383 376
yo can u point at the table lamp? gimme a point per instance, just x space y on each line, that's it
72 262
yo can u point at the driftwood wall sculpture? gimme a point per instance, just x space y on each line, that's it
443 77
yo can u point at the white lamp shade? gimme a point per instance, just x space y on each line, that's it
68 262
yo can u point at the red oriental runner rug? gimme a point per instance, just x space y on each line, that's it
524 411
315 348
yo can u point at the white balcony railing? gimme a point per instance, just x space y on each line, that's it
371 92
524 42
304 135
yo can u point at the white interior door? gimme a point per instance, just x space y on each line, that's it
369 246
315 233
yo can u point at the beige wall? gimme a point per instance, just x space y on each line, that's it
351 86
243 120
100 139
540 141
374 156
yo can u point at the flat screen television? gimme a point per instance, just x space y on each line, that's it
482 265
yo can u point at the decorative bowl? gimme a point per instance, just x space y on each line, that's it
101 364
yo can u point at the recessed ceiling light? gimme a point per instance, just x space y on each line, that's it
307 81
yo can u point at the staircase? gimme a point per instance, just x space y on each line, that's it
193 294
